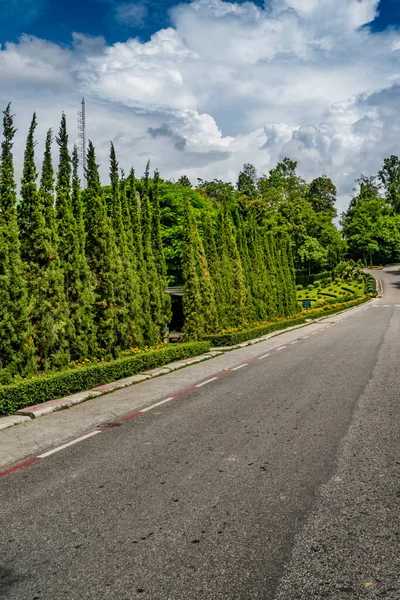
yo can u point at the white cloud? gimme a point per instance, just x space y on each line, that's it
132 13
228 83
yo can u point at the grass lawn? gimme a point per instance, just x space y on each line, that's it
338 288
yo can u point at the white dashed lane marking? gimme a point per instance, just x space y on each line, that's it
205 382
80 439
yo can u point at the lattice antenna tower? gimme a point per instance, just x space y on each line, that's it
82 137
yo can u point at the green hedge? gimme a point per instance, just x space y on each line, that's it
238 337
305 279
57 385
370 284
327 294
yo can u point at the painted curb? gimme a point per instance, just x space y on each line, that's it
6 422
38 410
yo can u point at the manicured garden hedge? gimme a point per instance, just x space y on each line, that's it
370 284
305 279
57 385
238 337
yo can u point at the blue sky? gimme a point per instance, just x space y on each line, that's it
55 20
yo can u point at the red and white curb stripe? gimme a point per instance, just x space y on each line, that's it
153 406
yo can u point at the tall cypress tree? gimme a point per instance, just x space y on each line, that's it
198 297
135 303
28 192
149 328
156 304
101 258
127 295
289 299
78 289
232 271
272 261
43 269
16 334
158 252
76 197
214 265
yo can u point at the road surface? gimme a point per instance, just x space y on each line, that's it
278 481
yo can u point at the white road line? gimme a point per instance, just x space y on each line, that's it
142 410
265 356
239 367
386 305
397 305
281 348
79 439
205 382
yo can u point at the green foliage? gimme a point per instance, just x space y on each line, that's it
322 195
370 227
389 177
299 287
16 334
57 385
237 337
128 330
310 286
80 328
157 303
184 181
149 328
44 275
158 252
198 299
233 281
100 252
247 181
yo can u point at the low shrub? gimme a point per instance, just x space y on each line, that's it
299 288
346 289
328 295
310 287
238 337
370 285
48 387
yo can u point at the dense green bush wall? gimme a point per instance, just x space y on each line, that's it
48 387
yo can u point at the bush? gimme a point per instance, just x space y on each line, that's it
327 294
317 283
299 288
238 337
370 285
304 279
57 385
346 289
310 287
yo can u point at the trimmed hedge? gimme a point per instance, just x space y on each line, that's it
57 385
370 284
327 294
305 279
238 337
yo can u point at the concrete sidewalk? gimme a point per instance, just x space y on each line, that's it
35 436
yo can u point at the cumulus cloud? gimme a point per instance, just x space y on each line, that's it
227 83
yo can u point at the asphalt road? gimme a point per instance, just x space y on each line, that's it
279 481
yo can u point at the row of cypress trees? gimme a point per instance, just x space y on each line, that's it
239 274
83 272
80 275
